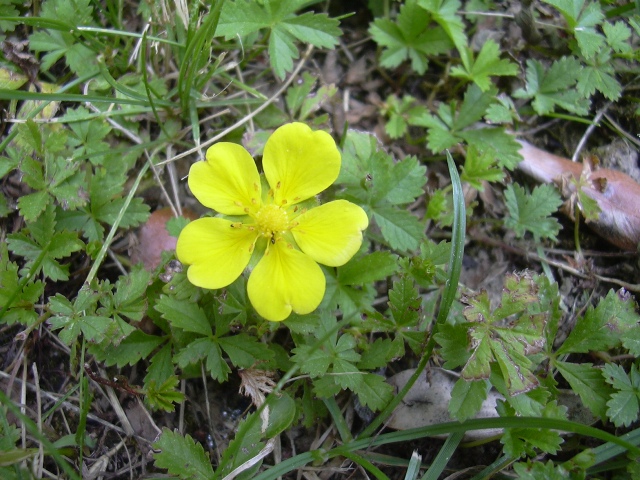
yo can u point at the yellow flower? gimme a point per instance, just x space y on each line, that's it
298 164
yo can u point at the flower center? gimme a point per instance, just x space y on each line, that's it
272 219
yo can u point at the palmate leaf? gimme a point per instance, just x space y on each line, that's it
582 22
531 212
445 13
44 246
487 64
507 345
599 75
242 17
554 87
480 167
409 37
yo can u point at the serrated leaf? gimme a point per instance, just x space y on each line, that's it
599 75
244 350
373 391
531 212
184 314
165 395
242 17
453 341
480 167
315 362
182 456
368 268
487 64
587 382
44 246
501 145
581 22
624 405
135 347
553 87
402 230
405 303
380 353
618 35
409 37
603 327
445 13
467 398
33 204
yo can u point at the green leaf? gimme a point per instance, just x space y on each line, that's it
402 230
587 382
163 397
410 37
76 318
368 268
184 314
182 456
520 441
405 303
315 362
131 350
204 348
282 413
501 145
444 12
467 398
480 167
487 64
554 87
536 470
624 405
380 353
373 391
401 113
618 35
17 295
33 204
453 341
531 212
129 298
245 350
582 22
599 74
509 346
603 327
243 17
44 246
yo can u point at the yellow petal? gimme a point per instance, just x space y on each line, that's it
216 252
228 181
285 280
331 233
299 163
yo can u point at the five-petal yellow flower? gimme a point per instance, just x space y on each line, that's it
298 164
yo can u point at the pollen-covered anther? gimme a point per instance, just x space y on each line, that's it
272 219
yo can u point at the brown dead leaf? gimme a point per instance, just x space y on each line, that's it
616 193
